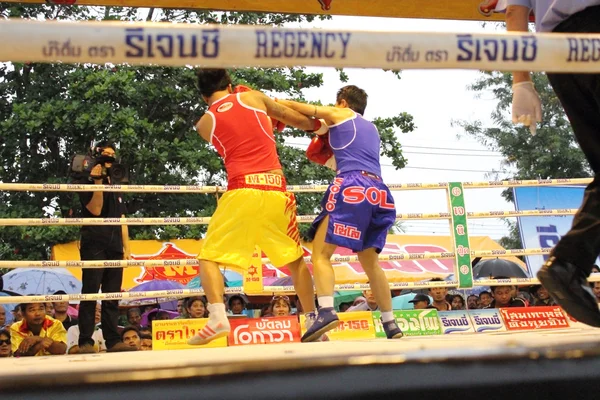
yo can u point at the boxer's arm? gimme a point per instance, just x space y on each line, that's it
287 115
331 115
205 126
517 20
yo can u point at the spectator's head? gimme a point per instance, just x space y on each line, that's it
458 303
98 313
145 330
420 301
345 306
596 290
266 311
196 307
438 293
145 342
180 306
131 337
359 300
34 314
5 347
60 307
236 304
281 306
134 316
352 97
162 315
370 298
540 292
503 294
50 309
485 298
17 313
2 315
595 269
473 302
212 80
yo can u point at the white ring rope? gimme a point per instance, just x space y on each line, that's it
62 187
260 46
193 262
300 218
164 295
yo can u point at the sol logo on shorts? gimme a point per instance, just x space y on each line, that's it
225 107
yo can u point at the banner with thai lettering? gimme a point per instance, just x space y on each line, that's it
487 320
457 321
173 334
408 270
528 318
545 231
412 322
353 325
264 330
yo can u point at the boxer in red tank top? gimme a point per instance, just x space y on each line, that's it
256 210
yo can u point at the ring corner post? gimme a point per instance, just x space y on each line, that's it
460 235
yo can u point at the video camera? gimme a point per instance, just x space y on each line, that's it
81 166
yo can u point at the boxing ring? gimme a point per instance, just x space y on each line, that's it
542 364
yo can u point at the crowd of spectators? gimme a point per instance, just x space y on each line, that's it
52 328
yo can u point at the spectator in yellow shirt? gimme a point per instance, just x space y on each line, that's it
37 334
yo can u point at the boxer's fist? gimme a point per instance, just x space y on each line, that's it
277 125
320 127
319 151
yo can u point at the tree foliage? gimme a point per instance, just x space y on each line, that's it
49 112
551 153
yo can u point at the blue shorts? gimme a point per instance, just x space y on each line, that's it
361 211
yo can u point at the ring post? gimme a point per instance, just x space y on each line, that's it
460 236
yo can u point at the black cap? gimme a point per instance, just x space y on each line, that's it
420 297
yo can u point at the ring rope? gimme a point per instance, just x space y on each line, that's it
226 46
300 218
264 260
162 295
62 187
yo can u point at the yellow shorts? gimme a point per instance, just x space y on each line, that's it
246 218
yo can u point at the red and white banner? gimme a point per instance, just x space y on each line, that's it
528 318
264 330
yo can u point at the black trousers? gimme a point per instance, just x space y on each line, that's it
579 95
110 280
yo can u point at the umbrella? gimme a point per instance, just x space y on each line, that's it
41 281
231 279
168 303
346 296
498 267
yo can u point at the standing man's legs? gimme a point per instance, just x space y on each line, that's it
565 273
91 280
112 280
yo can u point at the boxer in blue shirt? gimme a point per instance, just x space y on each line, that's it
357 209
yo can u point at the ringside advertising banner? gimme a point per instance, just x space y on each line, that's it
264 330
528 318
455 322
173 334
412 322
487 320
353 325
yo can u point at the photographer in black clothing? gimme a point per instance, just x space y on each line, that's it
102 242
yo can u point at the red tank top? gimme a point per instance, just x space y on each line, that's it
243 136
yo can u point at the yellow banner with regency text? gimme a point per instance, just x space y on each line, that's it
173 334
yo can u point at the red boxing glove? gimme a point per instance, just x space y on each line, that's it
241 88
319 151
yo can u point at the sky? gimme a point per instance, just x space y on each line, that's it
434 151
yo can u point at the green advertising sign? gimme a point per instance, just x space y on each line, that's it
459 233
412 322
